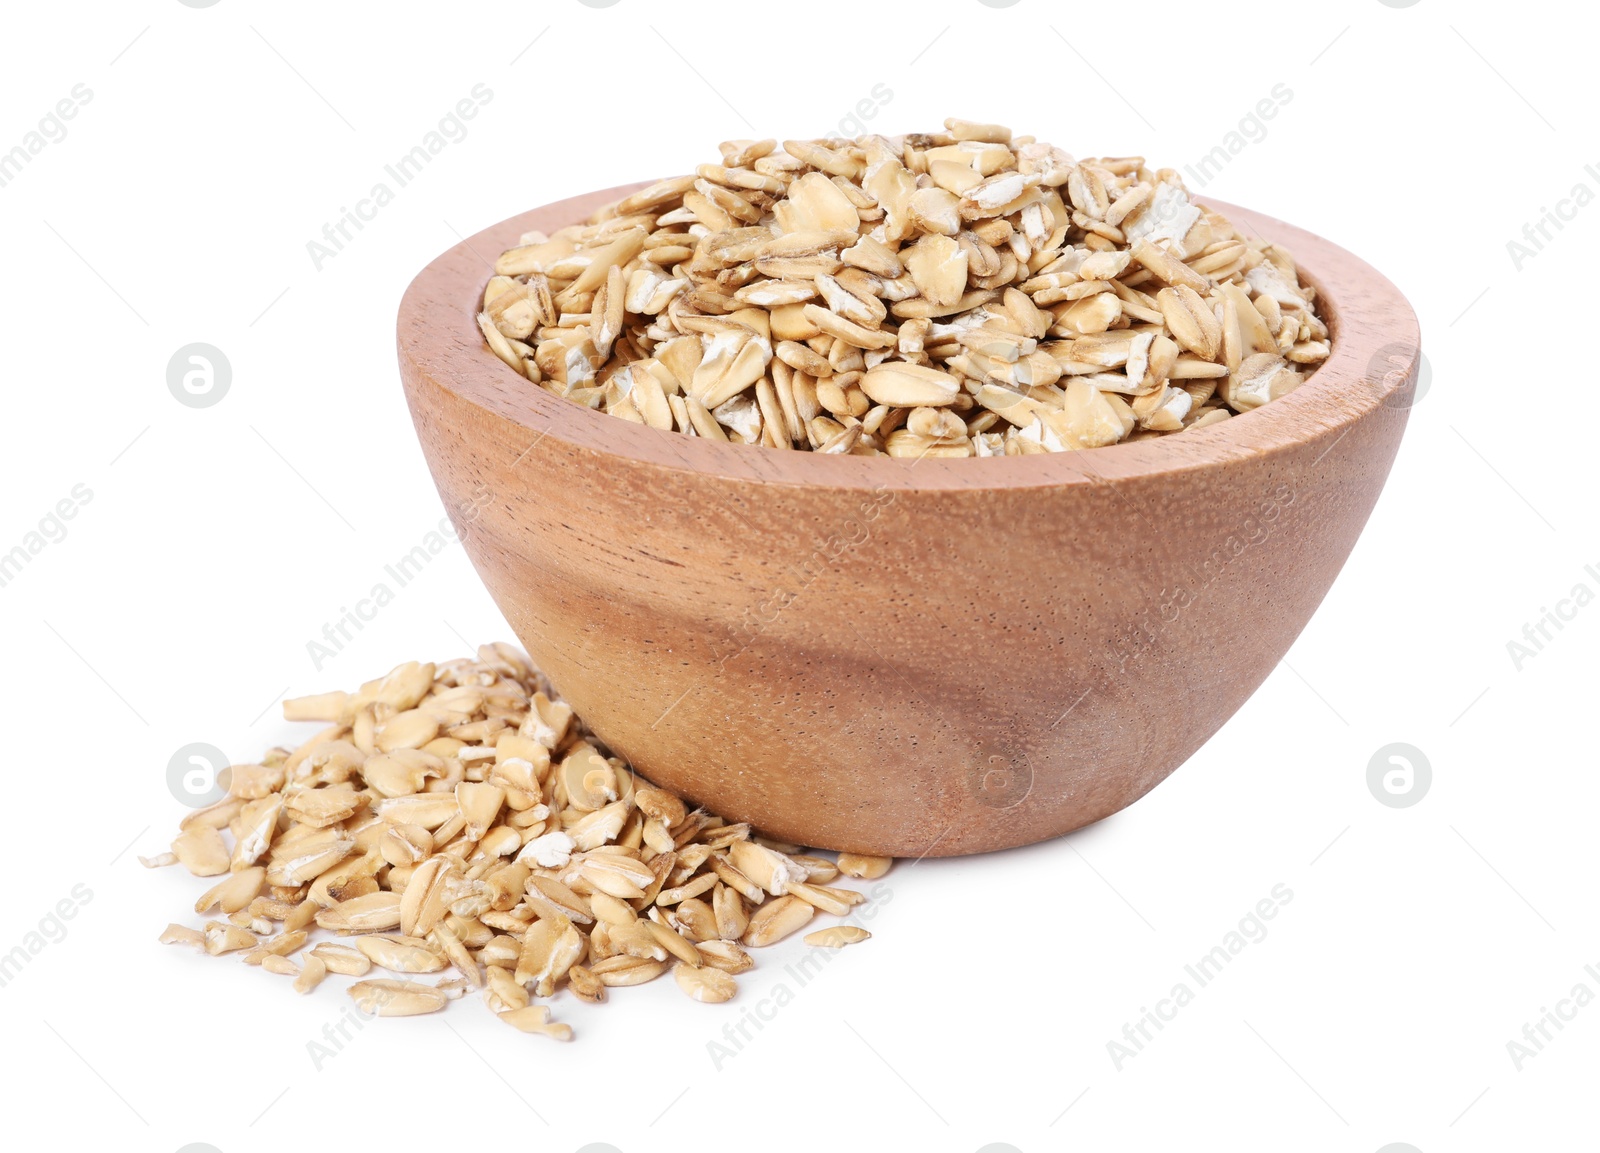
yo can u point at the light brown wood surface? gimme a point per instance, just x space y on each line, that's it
907 658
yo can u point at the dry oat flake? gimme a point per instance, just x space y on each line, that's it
961 293
457 827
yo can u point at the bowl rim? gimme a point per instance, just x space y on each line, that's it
438 340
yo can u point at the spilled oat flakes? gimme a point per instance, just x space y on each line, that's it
457 826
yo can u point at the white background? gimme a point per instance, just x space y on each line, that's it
218 542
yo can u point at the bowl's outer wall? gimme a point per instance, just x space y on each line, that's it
929 662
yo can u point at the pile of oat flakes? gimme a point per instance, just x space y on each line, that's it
459 820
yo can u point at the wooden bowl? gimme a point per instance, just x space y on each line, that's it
894 657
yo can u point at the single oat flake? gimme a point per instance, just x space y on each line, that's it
960 293
457 826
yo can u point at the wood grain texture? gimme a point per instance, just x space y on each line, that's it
895 657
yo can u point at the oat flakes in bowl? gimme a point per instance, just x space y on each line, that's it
964 293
